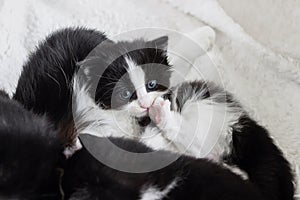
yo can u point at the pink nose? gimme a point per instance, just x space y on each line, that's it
144 106
145 102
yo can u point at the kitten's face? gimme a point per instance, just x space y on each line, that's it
133 81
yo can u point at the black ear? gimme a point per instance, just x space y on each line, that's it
160 43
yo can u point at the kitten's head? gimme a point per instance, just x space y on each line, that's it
137 73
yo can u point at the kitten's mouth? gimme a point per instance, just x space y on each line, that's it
144 121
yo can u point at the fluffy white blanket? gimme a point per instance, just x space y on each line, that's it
267 84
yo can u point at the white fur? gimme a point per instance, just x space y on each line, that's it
138 108
237 171
265 82
137 77
90 119
69 151
202 129
154 193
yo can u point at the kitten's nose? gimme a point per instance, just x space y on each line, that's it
145 103
143 106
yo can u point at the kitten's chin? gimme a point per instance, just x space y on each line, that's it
143 118
142 114
144 121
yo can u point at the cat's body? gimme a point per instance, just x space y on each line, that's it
30 151
185 178
239 140
32 168
231 134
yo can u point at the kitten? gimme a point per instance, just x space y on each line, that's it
31 150
45 85
239 140
200 119
128 92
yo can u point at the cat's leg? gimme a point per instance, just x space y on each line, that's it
175 128
153 137
69 151
200 129
192 46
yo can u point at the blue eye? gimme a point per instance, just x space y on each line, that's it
152 84
126 94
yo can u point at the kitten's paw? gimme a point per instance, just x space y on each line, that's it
160 111
69 151
204 36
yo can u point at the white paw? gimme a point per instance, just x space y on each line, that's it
204 36
69 151
160 111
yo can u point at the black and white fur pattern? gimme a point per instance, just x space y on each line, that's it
187 177
46 84
242 142
32 168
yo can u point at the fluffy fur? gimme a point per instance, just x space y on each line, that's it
87 178
241 141
192 103
45 85
29 154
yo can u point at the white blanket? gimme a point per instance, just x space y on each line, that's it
268 85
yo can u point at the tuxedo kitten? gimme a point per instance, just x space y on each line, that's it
202 120
196 113
86 178
30 151
198 119
46 82
29 154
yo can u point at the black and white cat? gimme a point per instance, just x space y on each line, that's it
192 114
32 168
31 149
129 91
46 83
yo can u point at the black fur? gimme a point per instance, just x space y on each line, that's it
45 88
45 85
255 152
86 178
114 79
29 153
252 148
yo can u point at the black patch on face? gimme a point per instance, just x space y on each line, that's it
115 80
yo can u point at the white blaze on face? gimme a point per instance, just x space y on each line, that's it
137 77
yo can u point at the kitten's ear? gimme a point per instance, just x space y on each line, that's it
160 43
